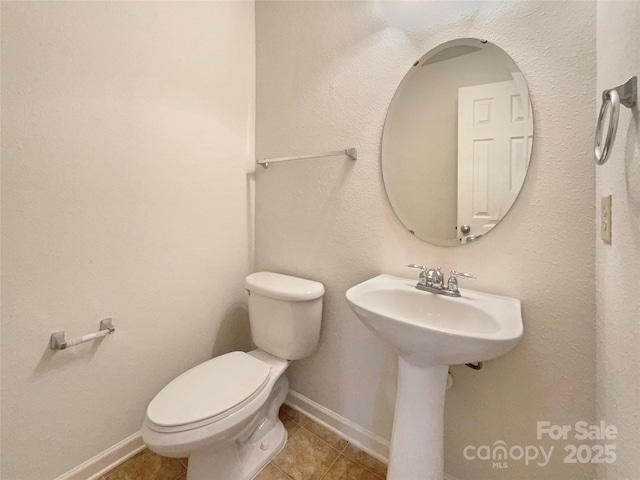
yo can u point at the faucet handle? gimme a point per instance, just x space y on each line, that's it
422 280
419 267
455 274
452 283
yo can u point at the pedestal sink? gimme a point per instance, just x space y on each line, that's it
429 332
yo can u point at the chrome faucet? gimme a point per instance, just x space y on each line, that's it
422 278
435 278
432 280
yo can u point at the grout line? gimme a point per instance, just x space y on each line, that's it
324 441
294 433
330 466
359 437
364 467
184 472
341 453
280 470
368 469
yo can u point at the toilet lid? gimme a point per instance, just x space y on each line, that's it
208 390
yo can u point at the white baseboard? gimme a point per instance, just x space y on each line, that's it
106 461
362 438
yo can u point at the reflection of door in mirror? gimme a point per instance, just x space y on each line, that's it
445 162
495 133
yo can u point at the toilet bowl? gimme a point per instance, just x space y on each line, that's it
223 413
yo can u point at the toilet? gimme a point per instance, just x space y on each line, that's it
223 413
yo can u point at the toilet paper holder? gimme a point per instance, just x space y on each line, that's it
58 342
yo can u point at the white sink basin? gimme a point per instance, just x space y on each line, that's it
429 332
429 329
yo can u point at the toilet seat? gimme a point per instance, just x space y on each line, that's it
208 392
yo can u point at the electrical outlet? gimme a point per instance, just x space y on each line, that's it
605 219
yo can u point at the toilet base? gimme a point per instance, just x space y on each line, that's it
260 454
243 458
231 464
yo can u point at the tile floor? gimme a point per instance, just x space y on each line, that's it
312 453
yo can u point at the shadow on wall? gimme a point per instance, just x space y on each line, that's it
418 17
632 162
234 332
52 361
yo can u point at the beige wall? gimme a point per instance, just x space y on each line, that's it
127 131
326 73
617 279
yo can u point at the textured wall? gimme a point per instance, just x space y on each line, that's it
127 129
326 73
617 279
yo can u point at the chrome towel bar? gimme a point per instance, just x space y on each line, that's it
626 95
57 341
352 153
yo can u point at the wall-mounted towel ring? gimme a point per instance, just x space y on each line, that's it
624 94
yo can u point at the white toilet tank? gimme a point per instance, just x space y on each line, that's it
284 313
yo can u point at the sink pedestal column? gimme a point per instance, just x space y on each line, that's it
416 451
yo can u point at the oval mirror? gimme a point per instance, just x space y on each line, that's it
457 142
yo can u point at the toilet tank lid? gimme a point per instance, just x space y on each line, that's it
283 287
